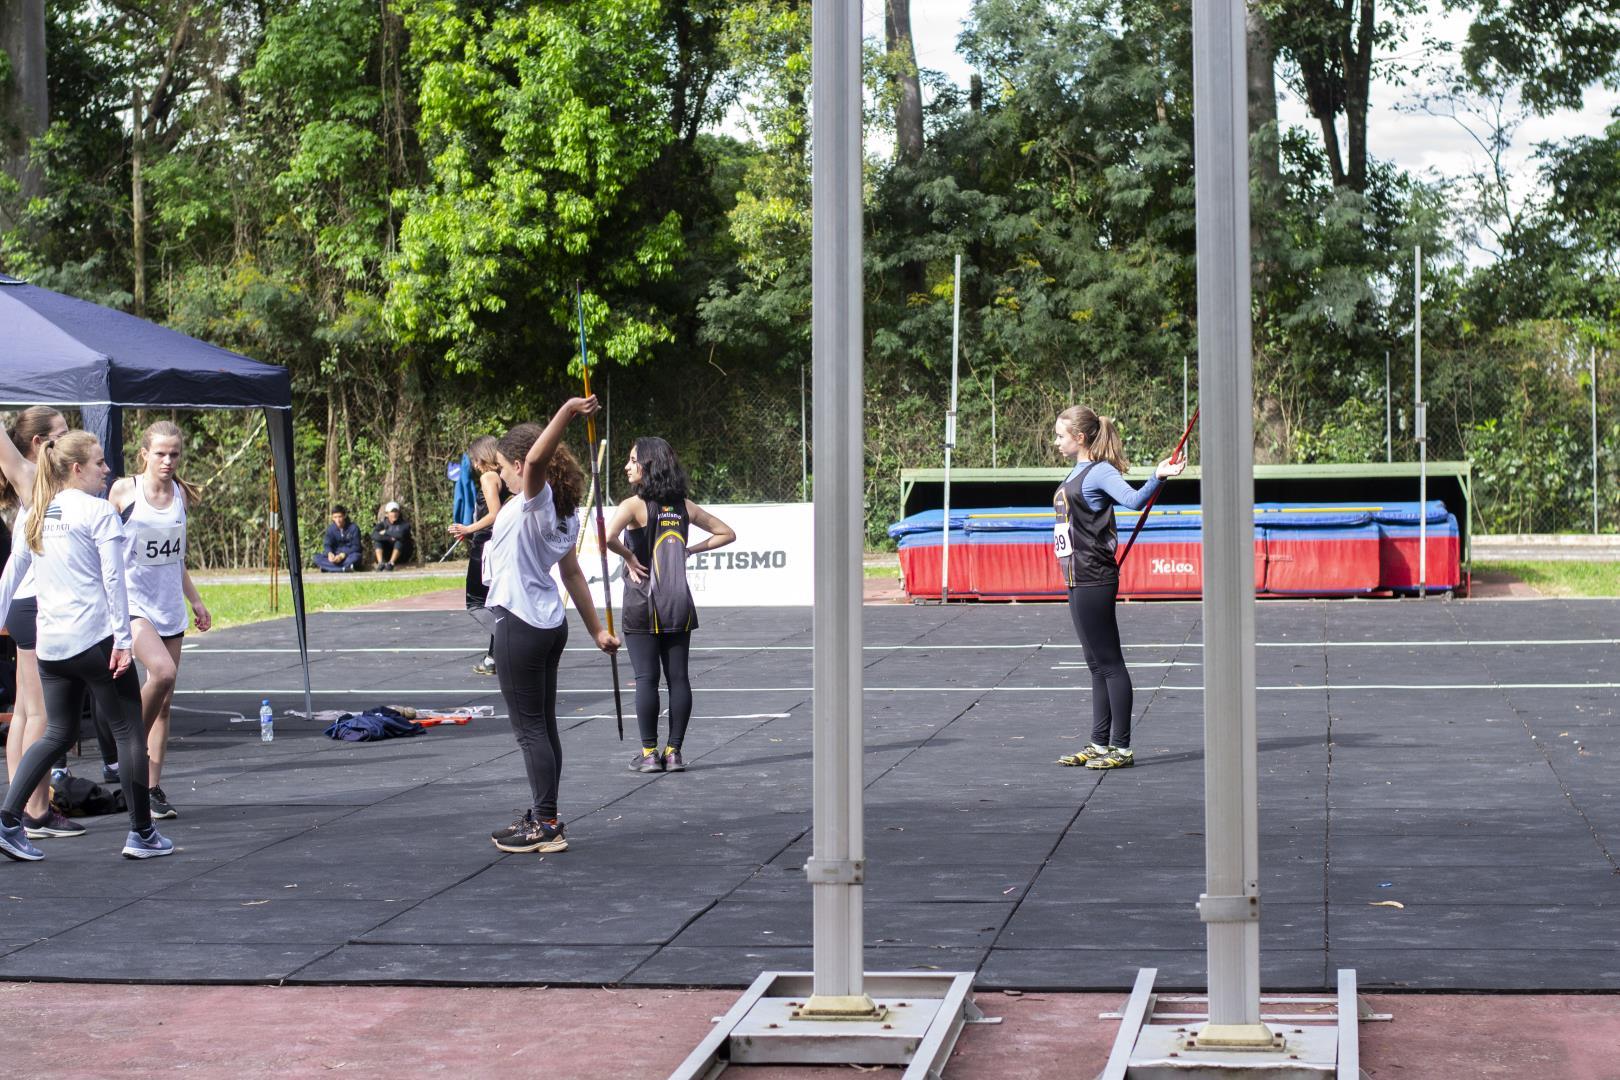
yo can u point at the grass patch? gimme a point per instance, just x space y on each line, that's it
237 605
1560 578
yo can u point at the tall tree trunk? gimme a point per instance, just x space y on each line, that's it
331 446
1358 79
137 202
24 100
908 119
908 123
1262 101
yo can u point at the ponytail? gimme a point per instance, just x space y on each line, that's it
1099 433
34 422
56 460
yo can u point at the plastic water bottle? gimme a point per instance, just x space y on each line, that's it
267 721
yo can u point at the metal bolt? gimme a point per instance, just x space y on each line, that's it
1174 1054
900 1004
888 1027
1299 1031
1293 1057
771 1025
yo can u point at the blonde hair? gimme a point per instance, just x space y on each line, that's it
165 429
34 422
481 451
56 460
1099 434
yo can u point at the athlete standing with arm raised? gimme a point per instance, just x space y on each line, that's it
74 541
153 505
536 530
1085 540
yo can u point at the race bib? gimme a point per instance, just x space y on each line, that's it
1060 540
159 547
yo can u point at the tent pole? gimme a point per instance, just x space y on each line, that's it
275 593
280 423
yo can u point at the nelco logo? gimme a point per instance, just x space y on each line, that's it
1172 566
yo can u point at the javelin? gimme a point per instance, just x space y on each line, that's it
1146 510
601 522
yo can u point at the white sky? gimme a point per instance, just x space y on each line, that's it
1432 146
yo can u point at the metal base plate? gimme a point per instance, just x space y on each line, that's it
926 1013
1156 1038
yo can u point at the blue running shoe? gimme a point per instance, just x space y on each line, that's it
136 847
14 844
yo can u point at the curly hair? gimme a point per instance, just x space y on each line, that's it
566 478
662 478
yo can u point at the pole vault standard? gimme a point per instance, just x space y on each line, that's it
1235 1040
950 436
839 1014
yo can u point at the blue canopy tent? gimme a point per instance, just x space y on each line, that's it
56 350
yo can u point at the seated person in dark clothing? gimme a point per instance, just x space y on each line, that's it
391 538
340 547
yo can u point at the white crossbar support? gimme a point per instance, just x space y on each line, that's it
836 327
1231 794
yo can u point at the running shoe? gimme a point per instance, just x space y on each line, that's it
1120 757
54 823
673 762
647 761
486 666
109 773
161 809
14 844
1090 753
137 846
542 836
522 823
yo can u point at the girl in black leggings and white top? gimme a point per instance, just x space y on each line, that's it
74 541
533 532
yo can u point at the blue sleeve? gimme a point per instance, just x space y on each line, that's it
329 540
351 540
1103 485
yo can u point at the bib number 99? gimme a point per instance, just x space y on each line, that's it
1060 540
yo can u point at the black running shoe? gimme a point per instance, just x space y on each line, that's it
647 761
520 825
53 824
673 762
109 773
486 666
160 806
541 836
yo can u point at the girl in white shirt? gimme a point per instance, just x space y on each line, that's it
154 505
73 540
19 450
536 530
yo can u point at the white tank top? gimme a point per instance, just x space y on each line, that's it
155 560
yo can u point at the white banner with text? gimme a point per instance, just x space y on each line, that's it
770 565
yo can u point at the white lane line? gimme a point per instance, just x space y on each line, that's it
397 693
470 650
1080 665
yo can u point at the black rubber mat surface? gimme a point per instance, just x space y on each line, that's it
1458 759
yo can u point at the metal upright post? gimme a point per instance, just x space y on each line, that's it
1230 906
995 458
1184 412
838 1013
804 443
1420 421
1389 429
1594 444
950 436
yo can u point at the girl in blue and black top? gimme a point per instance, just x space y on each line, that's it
1084 540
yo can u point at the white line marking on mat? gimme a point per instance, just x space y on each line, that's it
463 692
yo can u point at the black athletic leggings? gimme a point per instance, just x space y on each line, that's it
649 652
477 591
1092 609
526 660
65 683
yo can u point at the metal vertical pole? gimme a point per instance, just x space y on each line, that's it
950 436
1420 421
1594 444
995 458
835 867
1184 413
804 443
1389 429
1230 906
